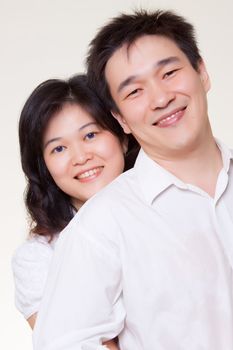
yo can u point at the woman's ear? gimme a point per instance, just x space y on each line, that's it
125 145
121 121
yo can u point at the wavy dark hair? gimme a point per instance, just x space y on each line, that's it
49 208
126 29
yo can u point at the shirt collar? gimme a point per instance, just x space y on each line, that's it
154 179
227 154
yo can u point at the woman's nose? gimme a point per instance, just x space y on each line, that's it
80 155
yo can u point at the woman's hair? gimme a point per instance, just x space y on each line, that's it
50 209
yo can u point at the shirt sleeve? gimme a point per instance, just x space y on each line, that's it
30 265
82 305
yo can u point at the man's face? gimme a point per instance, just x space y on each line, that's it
161 98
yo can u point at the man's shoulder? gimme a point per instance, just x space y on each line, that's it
98 219
123 185
106 203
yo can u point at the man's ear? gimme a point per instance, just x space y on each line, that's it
205 79
121 121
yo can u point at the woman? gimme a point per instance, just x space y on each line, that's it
70 149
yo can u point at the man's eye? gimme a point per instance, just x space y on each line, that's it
58 149
90 136
171 72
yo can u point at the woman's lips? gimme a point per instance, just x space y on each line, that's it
90 174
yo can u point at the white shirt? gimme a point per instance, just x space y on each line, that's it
30 265
149 258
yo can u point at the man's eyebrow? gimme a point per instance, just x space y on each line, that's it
158 64
59 138
165 61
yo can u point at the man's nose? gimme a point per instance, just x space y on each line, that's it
159 95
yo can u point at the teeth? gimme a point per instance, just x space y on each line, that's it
88 173
168 118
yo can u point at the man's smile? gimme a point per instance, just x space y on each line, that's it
170 118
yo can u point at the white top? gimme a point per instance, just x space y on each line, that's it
149 258
30 265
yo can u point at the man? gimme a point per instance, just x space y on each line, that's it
149 259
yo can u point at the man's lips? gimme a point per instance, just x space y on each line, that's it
170 118
89 174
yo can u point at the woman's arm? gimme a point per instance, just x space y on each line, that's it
31 320
30 265
111 344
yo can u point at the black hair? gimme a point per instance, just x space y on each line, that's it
49 208
126 29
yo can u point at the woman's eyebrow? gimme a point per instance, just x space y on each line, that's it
50 141
59 137
86 125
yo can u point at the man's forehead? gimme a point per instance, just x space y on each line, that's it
146 52
159 46
127 47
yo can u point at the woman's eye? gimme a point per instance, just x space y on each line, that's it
58 149
90 136
134 92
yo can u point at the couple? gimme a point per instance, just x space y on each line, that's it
149 258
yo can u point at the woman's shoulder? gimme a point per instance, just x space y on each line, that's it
30 264
34 247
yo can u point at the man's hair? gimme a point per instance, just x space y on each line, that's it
125 30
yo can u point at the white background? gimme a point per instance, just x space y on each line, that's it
48 39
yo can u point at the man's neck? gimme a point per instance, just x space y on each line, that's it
199 167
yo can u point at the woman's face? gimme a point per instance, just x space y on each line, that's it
81 157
